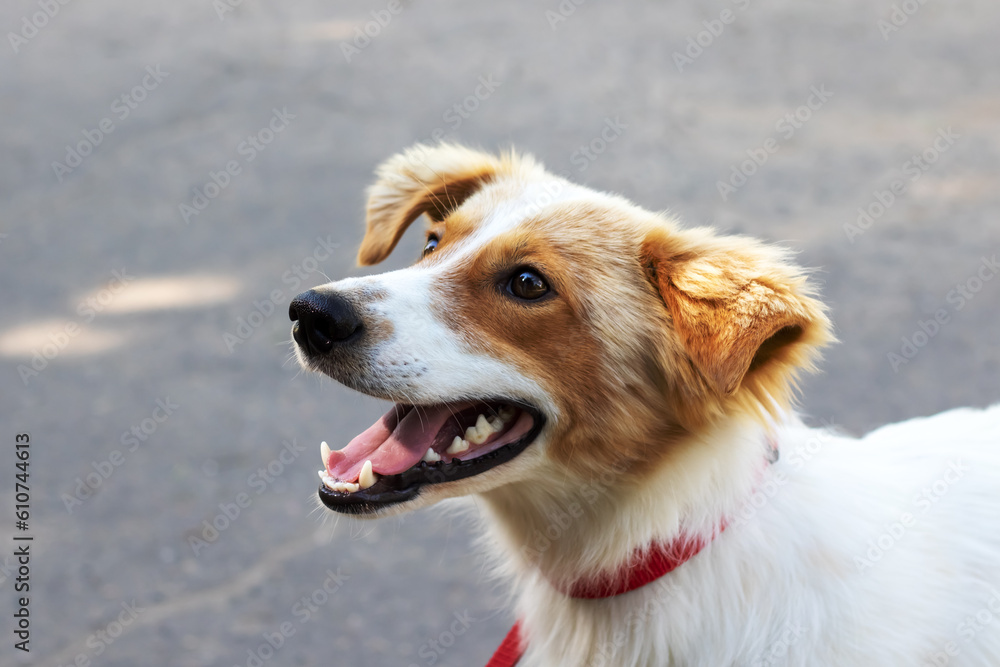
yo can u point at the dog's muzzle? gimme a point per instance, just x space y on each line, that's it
413 445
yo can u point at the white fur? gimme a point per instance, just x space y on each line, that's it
785 583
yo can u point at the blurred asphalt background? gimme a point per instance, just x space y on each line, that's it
119 347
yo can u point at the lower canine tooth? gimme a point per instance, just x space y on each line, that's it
431 456
324 451
458 445
368 476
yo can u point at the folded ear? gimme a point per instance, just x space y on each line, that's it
743 313
432 180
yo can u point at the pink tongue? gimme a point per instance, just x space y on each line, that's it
391 452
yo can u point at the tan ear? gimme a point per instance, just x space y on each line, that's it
432 180
739 308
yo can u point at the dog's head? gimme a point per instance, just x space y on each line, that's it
548 331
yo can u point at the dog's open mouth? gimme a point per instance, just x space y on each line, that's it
411 446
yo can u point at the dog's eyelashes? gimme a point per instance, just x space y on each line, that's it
432 243
528 285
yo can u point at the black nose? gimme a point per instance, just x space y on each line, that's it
322 319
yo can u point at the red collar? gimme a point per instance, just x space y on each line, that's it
646 566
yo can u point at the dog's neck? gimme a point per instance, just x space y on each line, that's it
570 530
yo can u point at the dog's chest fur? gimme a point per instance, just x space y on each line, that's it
878 551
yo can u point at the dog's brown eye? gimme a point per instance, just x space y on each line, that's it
528 285
432 243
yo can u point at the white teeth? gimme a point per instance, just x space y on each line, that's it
324 451
367 477
334 485
477 434
431 456
458 445
346 487
484 428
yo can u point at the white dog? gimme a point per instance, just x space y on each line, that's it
617 391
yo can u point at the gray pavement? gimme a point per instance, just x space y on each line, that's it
169 384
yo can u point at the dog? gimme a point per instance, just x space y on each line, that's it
618 392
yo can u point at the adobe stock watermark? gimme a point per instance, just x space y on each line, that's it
663 590
461 111
230 511
562 516
704 39
775 654
121 108
797 457
304 610
894 532
967 630
248 149
130 440
915 167
581 158
87 310
32 24
785 127
364 34
434 648
7 570
293 278
899 16
223 7
101 641
563 11
586 154
957 298
550 191
456 114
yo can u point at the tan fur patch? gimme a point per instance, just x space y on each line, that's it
425 180
651 333
745 317
568 341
